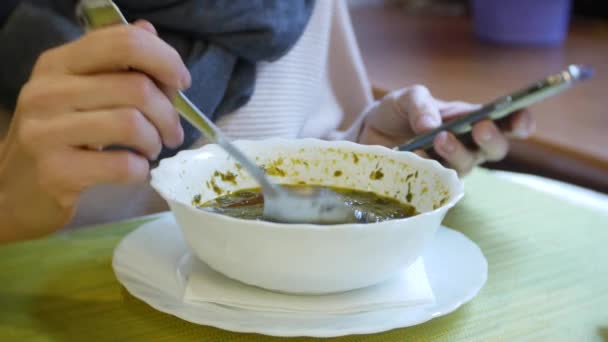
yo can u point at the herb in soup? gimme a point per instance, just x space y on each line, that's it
249 204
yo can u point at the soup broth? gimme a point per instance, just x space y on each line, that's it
249 204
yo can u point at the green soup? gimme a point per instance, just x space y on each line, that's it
249 204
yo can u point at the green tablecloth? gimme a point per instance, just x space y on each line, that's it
548 279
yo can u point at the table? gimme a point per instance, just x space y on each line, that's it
442 53
548 279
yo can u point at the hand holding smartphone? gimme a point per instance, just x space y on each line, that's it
504 106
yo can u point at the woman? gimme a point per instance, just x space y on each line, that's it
84 95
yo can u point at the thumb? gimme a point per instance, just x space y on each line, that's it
145 25
452 109
423 114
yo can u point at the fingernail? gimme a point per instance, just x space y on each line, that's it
446 142
186 80
427 121
486 135
524 128
154 157
180 134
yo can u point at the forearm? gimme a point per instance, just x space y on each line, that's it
5 120
6 220
8 224
22 214
8 230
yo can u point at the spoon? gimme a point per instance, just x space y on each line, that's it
280 203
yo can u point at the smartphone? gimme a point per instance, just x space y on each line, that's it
503 107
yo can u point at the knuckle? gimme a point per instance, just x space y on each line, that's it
128 41
131 121
419 90
142 89
31 95
418 100
426 108
44 61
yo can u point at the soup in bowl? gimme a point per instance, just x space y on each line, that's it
308 258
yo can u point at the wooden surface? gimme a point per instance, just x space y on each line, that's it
442 53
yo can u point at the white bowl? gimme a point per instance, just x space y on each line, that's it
307 258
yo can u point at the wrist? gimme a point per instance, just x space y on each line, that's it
25 211
8 222
360 125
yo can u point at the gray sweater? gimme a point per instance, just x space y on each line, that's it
220 42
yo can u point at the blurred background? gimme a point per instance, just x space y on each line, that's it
585 8
478 50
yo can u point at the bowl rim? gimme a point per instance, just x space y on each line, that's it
449 174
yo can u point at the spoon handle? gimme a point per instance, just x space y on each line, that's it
191 113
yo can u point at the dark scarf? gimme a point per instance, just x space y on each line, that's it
220 41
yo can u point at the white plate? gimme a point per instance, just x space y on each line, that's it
147 263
